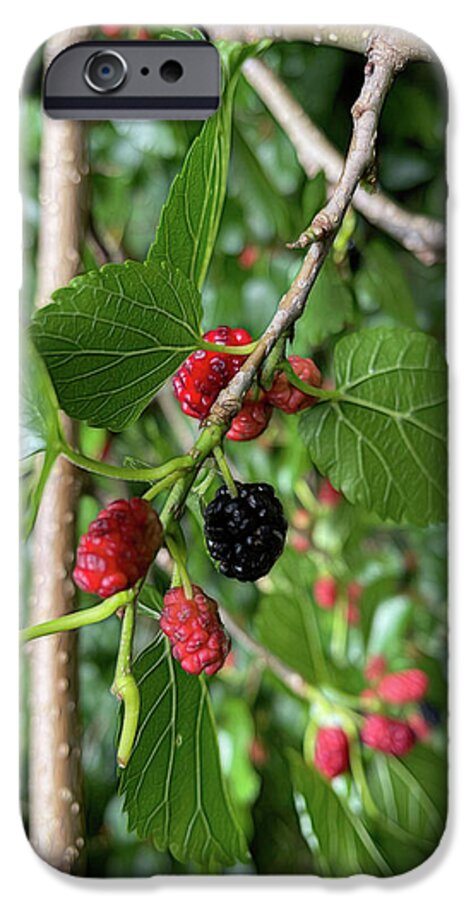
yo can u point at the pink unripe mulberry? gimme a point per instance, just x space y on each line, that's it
408 686
387 735
251 421
199 640
331 754
375 667
328 496
325 592
290 399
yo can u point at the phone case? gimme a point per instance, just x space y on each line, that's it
234 481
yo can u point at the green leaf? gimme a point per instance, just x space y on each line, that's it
287 623
382 441
112 338
173 787
190 219
381 282
40 427
339 839
329 310
411 793
388 627
236 735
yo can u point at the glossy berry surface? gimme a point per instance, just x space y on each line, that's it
388 735
251 421
199 640
118 547
407 686
331 753
325 592
206 372
286 396
245 534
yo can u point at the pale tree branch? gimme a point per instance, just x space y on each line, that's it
56 821
421 235
358 38
381 65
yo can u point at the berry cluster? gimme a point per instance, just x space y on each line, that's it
387 735
246 533
325 592
199 640
118 548
398 689
206 372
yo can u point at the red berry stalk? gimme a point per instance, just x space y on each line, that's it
118 547
206 372
286 396
199 640
408 686
387 735
331 755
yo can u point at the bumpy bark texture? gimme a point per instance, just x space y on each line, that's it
56 824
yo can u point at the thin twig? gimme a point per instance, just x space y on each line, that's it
382 63
381 66
421 235
293 681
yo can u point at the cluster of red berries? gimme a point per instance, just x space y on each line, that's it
325 592
116 552
398 689
380 732
206 372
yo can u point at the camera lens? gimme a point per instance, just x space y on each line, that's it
105 71
171 71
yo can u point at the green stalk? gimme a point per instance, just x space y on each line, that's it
230 349
162 485
73 620
179 464
307 388
180 565
124 687
209 438
274 360
225 470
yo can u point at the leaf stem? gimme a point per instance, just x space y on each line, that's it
179 464
320 393
162 485
73 620
230 349
124 687
274 361
178 558
225 470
